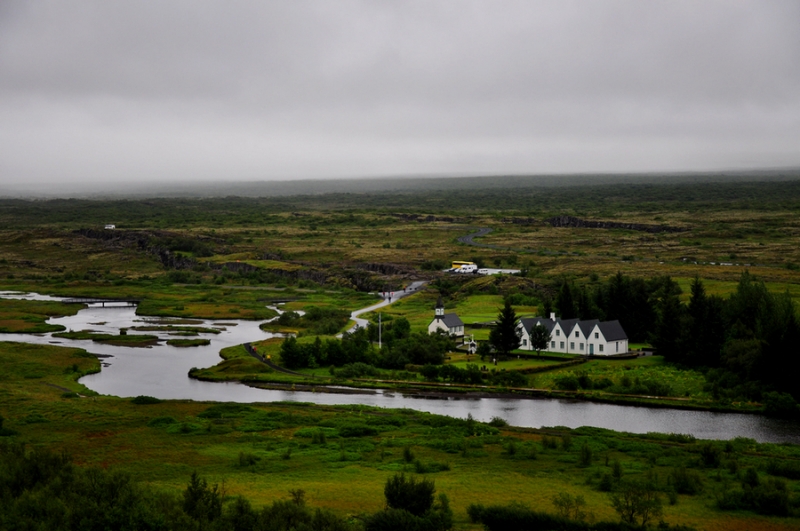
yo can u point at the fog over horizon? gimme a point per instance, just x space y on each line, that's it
173 92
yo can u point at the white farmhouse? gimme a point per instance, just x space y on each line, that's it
573 336
449 323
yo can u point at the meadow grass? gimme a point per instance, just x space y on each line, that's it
163 443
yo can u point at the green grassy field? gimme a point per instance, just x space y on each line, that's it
263 450
242 255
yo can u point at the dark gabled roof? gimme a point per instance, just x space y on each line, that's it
587 326
612 331
530 322
452 320
567 325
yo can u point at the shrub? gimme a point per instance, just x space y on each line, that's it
498 422
355 370
161 421
685 481
549 443
357 430
637 503
145 400
408 455
567 383
247 459
431 467
570 507
511 448
586 456
606 483
787 469
780 405
710 455
408 494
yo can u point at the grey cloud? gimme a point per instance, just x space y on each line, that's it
259 90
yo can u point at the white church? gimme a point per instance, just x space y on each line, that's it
450 323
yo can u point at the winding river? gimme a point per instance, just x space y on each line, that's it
161 371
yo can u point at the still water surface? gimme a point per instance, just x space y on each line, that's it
161 371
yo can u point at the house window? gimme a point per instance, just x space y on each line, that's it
558 332
581 346
572 345
596 335
524 342
576 333
601 348
562 344
552 344
617 346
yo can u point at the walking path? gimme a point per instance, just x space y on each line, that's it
388 298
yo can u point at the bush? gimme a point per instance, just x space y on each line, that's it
431 467
161 421
786 469
549 443
710 455
780 405
247 459
408 494
685 481
356 370
498 422
357 430
145 400
586 456
637 503
567 383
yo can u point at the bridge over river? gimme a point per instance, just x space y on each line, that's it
101 302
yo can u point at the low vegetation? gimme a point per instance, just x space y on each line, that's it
714 295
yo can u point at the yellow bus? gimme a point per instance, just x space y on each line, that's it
459 266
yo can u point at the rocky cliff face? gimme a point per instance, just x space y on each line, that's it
569 221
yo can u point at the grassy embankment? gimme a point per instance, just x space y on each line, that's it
263 450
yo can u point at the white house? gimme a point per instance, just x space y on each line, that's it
573 336
110 226
446 322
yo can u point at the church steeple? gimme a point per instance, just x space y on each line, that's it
440 307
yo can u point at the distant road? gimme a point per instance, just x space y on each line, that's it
387 300
483 231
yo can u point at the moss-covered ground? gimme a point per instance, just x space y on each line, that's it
341 456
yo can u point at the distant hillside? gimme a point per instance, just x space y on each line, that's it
377 185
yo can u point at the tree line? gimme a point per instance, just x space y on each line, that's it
400 347
745 342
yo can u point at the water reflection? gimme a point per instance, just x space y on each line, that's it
161 371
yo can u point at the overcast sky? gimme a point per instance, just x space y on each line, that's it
172 91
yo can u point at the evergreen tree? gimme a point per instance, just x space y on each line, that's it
540 338
504 337
565 302
667 334
292 354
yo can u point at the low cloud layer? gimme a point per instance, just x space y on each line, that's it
184 90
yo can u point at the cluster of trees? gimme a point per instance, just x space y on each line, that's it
473 375
629 300
752 336
43 490
748 340
403 348
316 320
